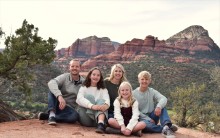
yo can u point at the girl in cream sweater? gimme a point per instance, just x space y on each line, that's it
126 113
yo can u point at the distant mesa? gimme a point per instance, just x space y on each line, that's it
88 47
193 44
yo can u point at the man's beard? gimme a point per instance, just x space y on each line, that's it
74 73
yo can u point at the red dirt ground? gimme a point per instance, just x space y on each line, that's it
40 129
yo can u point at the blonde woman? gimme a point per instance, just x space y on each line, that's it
126 113
112 83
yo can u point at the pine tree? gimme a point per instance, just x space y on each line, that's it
23 51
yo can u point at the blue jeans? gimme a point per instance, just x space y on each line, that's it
110 115
67 115
155 128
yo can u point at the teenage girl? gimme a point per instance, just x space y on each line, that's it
93 101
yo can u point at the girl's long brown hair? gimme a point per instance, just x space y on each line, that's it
87 82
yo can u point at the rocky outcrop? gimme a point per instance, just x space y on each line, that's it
193 44
181 59
192 39
88 47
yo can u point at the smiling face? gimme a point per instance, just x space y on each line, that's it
117 74
74 67
125 91
144 79
144 82
95 77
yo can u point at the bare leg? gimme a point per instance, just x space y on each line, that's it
114 127
113 123
139 126
101 117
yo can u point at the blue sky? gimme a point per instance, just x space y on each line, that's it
120 20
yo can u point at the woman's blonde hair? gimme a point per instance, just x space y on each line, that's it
131 98
123 78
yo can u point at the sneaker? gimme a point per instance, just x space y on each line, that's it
139 133
100 128
167 132
110 130
43 116
174 128
52 121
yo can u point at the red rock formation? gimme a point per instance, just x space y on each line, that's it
62 51
89 64
90 46
182 59
192 40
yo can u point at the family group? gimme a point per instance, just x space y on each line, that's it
109 104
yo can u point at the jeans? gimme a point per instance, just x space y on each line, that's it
89 117
155 128
67 115
110 115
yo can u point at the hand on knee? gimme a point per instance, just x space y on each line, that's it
127 132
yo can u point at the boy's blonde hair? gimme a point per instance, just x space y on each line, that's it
144 74
130 99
